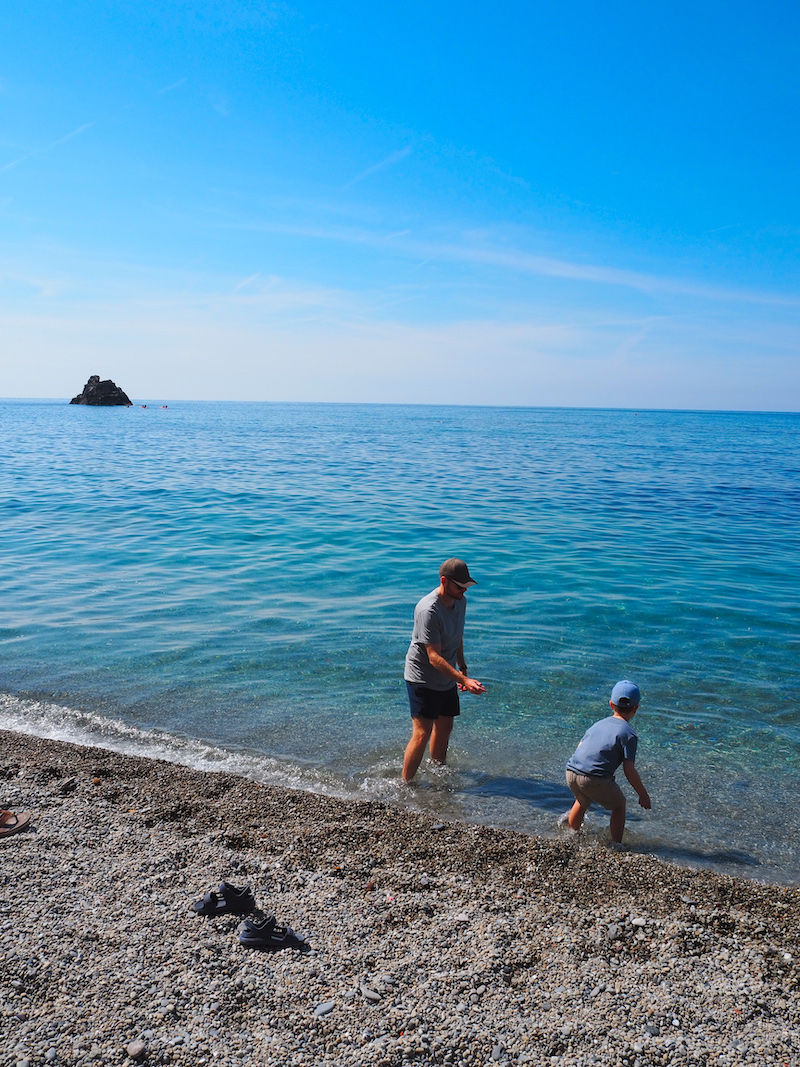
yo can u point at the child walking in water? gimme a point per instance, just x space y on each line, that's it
590 770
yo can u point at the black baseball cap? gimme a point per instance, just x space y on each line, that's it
457 570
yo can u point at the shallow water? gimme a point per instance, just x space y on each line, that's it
232 586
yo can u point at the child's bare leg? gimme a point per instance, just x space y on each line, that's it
577 812
617 825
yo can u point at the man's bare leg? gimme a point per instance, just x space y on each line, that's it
440 738
415 749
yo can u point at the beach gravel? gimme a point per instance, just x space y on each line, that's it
428 943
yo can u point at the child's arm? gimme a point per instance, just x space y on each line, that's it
629 767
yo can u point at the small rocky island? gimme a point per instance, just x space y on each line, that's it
102 394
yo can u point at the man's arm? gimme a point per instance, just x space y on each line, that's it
462 664
437 661
629 767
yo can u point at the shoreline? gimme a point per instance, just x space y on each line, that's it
474 945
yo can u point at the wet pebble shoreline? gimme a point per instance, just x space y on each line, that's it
428 943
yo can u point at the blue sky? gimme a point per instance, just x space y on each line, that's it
562 203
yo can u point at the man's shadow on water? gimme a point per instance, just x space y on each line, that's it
556 797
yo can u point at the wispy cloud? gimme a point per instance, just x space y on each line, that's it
390 161
602 275
47 147
174 85
219 103
246 281
522 262
513 178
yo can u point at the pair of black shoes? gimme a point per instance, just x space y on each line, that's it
263 933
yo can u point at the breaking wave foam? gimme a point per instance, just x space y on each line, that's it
57 722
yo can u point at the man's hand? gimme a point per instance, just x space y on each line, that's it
644 800
435 658
471 685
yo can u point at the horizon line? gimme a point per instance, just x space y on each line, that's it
412 404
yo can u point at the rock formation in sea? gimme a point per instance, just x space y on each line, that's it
102 394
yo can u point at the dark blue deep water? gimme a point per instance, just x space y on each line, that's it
232 586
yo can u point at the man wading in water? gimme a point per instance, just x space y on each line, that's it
435 666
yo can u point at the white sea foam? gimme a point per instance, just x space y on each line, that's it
60 723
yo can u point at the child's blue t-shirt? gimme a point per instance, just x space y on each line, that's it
603 748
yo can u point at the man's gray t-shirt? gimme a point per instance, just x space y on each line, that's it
603 748
434 624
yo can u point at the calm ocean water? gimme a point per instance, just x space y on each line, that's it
232 586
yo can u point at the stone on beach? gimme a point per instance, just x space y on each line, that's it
136 1049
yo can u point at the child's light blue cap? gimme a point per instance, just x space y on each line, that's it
626 695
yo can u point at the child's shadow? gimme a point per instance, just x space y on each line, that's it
683 854
552 796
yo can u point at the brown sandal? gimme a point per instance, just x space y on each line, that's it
11 823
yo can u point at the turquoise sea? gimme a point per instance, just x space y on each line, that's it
232 586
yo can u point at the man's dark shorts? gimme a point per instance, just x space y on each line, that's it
431 703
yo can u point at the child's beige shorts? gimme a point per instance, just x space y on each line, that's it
588 789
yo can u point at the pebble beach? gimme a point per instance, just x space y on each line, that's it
428 942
